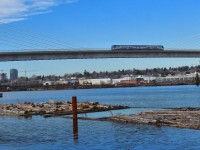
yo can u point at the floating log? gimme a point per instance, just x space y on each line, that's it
179 117
53 108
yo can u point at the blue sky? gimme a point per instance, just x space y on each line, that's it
102 23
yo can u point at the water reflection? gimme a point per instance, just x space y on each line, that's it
75 117
75 129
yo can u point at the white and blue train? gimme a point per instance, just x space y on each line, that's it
137 47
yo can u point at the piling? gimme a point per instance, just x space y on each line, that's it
75 117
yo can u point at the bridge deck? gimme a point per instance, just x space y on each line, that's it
93 54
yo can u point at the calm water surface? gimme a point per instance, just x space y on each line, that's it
56 133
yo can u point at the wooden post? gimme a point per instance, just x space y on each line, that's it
75 118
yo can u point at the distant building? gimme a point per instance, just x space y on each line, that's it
13 74
60 82
3 76
102 81
176 79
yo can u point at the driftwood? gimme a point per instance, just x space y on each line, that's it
179 117
53 108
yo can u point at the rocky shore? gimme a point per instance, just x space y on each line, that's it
179 117
53 108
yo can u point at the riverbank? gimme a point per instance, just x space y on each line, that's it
72 87
53 108
178 117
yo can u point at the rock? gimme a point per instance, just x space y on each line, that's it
51 102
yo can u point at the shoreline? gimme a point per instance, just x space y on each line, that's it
59 87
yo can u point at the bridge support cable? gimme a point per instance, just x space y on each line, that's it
30 37
36 38
19 41
41 43
12 43
192 42
31 43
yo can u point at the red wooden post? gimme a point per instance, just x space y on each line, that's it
75 117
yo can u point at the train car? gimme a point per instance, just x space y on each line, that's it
137 47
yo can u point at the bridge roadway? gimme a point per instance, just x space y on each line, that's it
93 54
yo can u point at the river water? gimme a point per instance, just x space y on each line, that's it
38 133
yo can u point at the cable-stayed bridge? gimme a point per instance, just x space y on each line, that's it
29 45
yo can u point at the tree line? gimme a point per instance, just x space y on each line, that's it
152 72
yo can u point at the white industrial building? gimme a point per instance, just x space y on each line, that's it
60 82
146 78
116 81
177 78
102 81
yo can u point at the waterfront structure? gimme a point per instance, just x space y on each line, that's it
146 78
102 81
116 81
176 79
60 82
128 80
13 74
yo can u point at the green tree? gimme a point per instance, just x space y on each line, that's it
197 80
86 73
